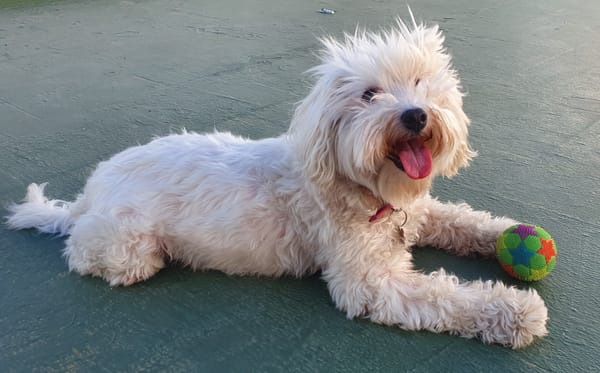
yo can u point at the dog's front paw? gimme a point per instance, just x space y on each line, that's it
484 241
516 318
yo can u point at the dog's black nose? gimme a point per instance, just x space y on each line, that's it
414 119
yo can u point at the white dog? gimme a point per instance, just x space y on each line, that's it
345 191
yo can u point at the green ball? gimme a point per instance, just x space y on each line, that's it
526 252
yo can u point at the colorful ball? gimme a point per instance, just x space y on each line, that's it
526 252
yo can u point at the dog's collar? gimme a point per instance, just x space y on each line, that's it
385 211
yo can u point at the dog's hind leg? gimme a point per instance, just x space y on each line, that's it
102 246
459 229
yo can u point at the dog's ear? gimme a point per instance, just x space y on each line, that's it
453 134
313 136
462 158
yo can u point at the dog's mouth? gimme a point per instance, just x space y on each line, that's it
413 158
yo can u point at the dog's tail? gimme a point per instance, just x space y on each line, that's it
37 211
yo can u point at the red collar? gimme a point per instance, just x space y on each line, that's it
385 211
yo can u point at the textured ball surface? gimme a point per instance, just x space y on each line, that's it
526 252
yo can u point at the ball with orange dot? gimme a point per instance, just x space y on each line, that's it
526 252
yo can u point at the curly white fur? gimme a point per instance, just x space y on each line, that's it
301 202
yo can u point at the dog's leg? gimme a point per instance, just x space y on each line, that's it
440 303
388 293
460 229
103 247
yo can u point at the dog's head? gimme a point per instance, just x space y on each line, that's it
385 113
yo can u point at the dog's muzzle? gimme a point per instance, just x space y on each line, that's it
410 154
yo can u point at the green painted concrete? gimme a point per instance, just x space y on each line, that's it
80 81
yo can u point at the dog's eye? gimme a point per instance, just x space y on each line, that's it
369 93
417 82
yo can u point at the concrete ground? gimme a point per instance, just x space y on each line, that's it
81 80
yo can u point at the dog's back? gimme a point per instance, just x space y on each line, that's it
213 201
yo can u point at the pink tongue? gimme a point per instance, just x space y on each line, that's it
415 158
